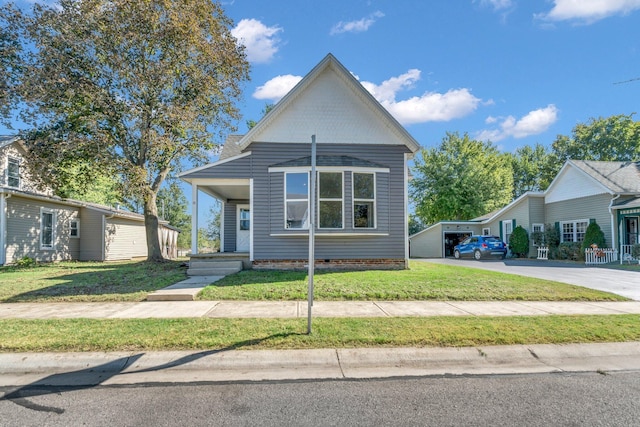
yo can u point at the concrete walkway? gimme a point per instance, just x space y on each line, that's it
621 282
298 309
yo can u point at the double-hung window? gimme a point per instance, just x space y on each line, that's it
13 172
330 200
74 228
296 199
47 228
573 231
364 200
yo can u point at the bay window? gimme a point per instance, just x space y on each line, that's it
364 200
297 200
330 200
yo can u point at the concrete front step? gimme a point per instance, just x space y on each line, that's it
213 267
212 271
214 263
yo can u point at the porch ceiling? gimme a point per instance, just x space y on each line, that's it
225 189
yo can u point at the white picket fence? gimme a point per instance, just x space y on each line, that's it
626 254
600 255
543 252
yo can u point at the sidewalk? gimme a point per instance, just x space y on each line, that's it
298 309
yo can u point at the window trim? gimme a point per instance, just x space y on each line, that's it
354 200
76 228
575 223
16 161
51 212
330 199
295 200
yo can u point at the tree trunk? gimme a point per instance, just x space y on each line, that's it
154 251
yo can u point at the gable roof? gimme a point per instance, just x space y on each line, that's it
7 140
380 122
618 177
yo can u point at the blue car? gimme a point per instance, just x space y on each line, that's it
480 247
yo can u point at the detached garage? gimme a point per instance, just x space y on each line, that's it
439 240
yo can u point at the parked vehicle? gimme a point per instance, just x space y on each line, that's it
480 247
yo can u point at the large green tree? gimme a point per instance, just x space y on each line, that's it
615 138
134 86
10 50
533 169
460 179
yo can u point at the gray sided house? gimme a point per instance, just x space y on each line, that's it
607 193
38 225
263 179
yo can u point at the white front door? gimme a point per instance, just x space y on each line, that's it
243 228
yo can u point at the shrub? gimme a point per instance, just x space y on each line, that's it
570 251
25 262
593 236
635 251
552 235
519 242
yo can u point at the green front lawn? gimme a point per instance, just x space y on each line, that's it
424 281
133 280
87 281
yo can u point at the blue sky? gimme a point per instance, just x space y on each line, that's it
511 71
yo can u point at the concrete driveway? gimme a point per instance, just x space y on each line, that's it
625 283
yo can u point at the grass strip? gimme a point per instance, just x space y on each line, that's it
63 335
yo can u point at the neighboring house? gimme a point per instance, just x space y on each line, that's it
607 193
262 179
36 224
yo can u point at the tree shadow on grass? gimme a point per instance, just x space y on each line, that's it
96 375
111 279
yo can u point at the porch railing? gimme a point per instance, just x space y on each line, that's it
600 255
626 254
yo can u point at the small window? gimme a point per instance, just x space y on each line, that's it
486 231
74 228
13 172
330 200
296 200
507 230
245 219
364 200
47 228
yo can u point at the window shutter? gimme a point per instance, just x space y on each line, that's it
513 224
592 221
501 238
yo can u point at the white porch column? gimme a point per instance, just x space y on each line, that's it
3 229
251 228
194 219
222 205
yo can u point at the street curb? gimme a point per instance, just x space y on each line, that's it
120 368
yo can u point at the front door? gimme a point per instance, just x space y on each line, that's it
243 228
631 225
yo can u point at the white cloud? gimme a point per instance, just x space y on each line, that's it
533 123
260 41
588 11
356 26
429 107
277 87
